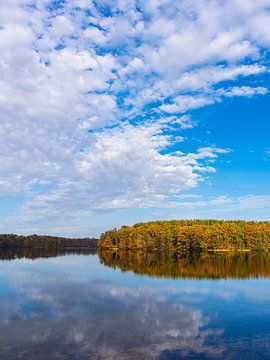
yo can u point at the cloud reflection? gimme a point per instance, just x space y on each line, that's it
52 312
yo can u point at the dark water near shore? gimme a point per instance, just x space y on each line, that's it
134 306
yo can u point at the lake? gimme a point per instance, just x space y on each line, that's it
135 306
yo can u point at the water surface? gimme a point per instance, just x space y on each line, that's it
110 307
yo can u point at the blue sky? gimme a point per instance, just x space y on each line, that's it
115 112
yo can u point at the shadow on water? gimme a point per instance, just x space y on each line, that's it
189 265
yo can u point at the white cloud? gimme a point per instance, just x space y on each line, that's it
64 71
122 168
186 102
243 91
183 103
220 207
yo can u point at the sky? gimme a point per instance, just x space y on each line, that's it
117 112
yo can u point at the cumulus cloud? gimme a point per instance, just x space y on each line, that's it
77 77
122 168
183 103
243 91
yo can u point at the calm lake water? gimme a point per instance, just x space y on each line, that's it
86 307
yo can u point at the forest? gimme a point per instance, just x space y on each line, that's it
190 236
13 241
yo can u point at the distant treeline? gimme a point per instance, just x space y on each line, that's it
13 241
189 265
190 236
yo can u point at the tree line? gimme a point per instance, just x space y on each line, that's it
190 236
13 241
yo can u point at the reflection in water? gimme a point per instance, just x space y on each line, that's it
36 253
72 307
196 265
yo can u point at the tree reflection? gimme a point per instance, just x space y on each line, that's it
189 265
28 253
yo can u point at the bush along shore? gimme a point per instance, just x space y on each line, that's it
190 236
13 241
